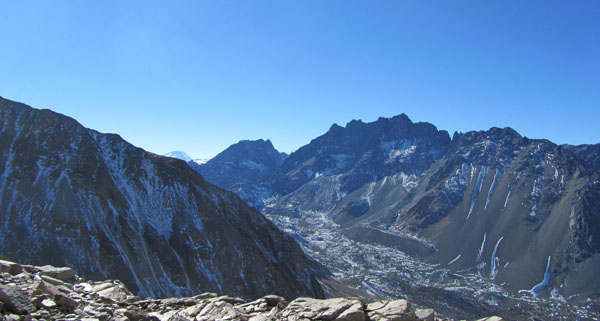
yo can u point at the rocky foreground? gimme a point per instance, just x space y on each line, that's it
55 293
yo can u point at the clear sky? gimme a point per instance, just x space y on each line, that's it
199 76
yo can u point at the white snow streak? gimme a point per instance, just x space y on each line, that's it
455 259
477 189
507 198
495 260
491 190
481 247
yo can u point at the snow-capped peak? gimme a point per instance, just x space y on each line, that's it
180 155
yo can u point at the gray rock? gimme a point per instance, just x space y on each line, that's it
54 281
219 310
11 317
65 301
398 310
45 288
140 316
425 315
15 300
114 291
10 267
206 295
61 273
47 304
274 300
231 300
331 309
353 313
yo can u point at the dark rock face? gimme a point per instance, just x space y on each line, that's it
244 168
73 196
588 153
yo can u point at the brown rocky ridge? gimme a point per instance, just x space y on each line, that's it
30 292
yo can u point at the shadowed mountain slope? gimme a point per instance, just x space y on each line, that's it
73 196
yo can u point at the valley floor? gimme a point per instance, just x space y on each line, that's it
387 272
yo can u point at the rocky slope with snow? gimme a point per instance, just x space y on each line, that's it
392 205
73 196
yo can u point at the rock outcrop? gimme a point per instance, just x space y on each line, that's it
39 293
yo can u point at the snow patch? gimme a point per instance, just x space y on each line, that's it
481 247
477 189
201 161
533 210
491 190
507 198
495 260
458 182
455 259
538 287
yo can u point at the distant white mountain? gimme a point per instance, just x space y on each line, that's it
201 161
180 155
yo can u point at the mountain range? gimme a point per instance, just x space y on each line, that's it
73 196
473 224
489 214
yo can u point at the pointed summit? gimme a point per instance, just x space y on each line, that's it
179 155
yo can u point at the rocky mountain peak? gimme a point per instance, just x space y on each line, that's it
243 168
73 196
365 151
258 154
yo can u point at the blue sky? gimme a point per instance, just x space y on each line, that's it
199 76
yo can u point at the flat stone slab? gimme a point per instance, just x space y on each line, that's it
15 300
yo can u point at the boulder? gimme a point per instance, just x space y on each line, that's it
425 315
232 300
54 281
10 267
140 316
16 300
206 295
45 288
61 273
274 300
219 310
47 304
331 309
398 310
114 291
65 302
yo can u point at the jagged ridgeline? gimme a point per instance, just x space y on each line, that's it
489 205
76 197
